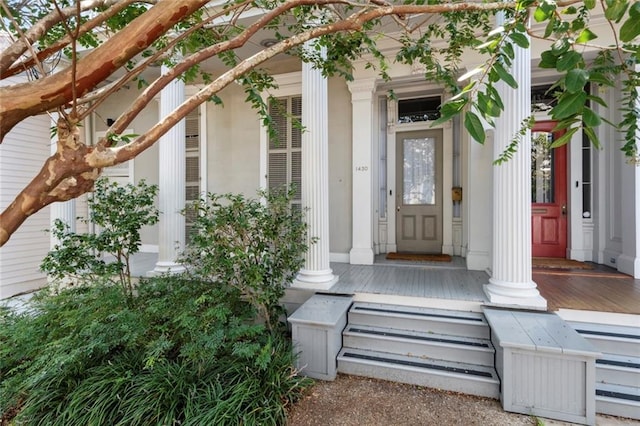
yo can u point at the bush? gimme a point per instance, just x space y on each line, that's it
119 212
180 352
185 349
255 246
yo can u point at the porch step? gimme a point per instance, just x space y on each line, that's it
618 370
616 400
429 347
452 376
438 321
419 344
610 339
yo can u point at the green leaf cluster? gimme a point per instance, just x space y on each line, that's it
180 352
254 246
119 212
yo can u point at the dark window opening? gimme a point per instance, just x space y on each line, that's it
419 109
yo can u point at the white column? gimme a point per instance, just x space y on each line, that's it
511 283
362 196
629 261
65 210
171 195
316 273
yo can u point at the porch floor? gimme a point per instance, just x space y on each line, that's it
602 289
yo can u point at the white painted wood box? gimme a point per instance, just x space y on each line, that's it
317 334
546 368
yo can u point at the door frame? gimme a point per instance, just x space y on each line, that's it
436 208
389 226
560 156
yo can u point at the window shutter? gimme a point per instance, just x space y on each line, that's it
285 151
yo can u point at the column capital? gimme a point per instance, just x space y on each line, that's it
362 89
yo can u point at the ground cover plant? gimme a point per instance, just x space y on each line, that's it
187 349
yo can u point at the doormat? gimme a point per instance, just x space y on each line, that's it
419 257
558 263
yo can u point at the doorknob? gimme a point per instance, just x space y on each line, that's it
564 210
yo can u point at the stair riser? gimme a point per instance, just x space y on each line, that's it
443 381
618 376
612 346
480 330
615 407
433 350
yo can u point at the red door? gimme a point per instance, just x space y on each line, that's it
548 193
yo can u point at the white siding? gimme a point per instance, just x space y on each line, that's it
22 154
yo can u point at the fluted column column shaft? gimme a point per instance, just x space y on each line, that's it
315 178
171 195
511 282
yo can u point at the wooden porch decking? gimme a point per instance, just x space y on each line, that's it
602 289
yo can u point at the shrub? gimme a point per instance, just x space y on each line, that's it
180 352
119 212
254 246
184 349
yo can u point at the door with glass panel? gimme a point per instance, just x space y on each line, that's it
548 192
419 191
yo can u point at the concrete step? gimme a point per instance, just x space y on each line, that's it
452 376
419 344
618 370
610 339
438 321
615 400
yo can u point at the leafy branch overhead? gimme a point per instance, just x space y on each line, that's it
80 54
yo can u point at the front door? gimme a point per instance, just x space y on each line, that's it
548 193
419 191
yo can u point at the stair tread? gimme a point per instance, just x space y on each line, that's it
477 372
418 336
618 361
604 330
417 312
622 389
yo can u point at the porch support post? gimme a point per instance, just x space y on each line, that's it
65 210
171 194
511 283
629 260
362 195
316 273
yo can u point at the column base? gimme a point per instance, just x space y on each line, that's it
166 268
514 295
629 265
314 280
361 256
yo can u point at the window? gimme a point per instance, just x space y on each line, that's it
192 166
285 149
419 109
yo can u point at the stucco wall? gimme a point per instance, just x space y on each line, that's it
340 183
145 164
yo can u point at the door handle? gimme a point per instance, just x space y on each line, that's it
564 210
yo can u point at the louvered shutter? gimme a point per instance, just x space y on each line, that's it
285 148
192 167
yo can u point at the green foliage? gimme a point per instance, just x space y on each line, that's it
255 247
119 212
180 352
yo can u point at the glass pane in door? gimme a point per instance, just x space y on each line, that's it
542 168
419 171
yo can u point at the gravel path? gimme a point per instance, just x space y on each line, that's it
355 401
